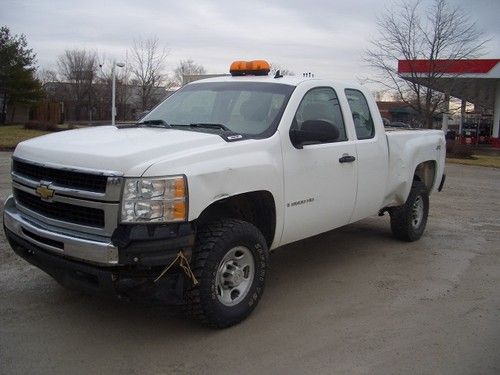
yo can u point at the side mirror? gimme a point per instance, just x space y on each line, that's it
314 131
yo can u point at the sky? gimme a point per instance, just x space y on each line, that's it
326 38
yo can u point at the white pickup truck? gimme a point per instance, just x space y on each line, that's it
185 206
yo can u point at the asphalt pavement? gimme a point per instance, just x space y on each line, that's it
350 301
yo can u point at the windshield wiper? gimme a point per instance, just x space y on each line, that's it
209 125
161 123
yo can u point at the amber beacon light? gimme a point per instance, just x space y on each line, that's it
250 68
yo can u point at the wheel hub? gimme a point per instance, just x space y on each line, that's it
235 275
232 274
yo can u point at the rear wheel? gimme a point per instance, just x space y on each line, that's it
230 263
409 220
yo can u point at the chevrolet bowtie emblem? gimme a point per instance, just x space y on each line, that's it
45 192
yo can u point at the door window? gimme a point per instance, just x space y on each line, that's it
321 104
363 122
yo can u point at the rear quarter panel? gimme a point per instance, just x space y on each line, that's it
408 149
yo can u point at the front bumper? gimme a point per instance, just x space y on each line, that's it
123 283
72 274
124 265
139 245
94 249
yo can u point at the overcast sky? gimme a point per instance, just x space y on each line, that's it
323 37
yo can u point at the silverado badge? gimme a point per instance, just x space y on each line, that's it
45 192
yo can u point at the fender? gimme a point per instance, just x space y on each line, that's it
230 169
406 153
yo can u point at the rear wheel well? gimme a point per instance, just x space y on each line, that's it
426 172
255 207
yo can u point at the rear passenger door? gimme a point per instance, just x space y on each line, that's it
320 185
372 154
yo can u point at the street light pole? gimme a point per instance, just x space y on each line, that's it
113 109
113 90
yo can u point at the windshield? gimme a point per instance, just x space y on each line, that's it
249 108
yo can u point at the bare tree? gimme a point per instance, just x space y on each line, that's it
187 68
77 68
147 69
410 32
283 71
46 76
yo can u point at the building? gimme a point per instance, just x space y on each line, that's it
475 81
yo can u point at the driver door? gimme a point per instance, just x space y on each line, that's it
320 180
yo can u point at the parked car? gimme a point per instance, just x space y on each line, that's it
186 205
451 135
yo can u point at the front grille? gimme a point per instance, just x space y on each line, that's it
61 211
79 180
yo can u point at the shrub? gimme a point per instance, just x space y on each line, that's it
41 125
450 146
461 152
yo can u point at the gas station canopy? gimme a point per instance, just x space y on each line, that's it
476 81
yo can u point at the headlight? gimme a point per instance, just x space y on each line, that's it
154 200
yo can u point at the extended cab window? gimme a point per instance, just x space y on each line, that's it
363 122
321 104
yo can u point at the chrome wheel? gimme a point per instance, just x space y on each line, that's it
417 212
235 275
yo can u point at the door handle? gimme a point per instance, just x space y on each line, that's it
347 159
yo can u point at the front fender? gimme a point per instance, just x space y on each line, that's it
231 169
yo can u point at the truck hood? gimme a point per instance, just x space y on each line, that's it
127 150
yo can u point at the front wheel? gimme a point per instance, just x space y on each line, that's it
409 220
230 263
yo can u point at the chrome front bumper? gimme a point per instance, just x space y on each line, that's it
98 250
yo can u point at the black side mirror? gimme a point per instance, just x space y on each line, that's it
314 131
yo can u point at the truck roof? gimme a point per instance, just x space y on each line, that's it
285 80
